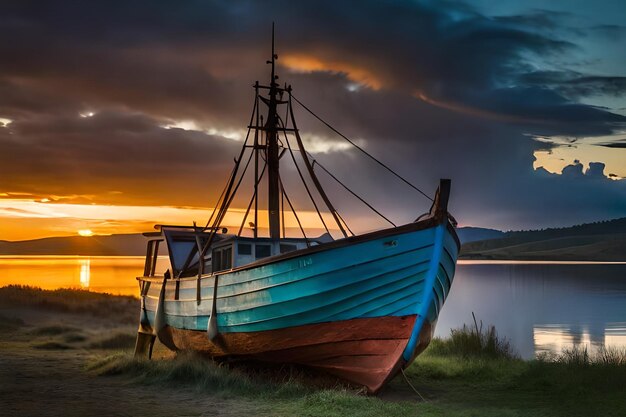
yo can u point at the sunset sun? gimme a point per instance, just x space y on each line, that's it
85 232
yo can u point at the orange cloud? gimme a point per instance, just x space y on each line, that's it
472 111
307 63
31 219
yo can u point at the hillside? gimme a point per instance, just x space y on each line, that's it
113 245
601 241
472 234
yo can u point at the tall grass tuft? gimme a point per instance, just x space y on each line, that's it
473 341
191 370
579 356
611 356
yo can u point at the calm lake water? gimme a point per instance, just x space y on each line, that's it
539 307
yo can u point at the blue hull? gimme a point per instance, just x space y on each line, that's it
405 272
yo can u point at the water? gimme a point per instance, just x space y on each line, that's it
110 274
539 307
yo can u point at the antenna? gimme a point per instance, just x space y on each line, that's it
271 135
274 58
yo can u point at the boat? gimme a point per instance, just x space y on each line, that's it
360 307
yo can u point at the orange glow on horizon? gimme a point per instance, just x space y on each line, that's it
23 219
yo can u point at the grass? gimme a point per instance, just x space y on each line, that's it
473 341
119 309
580 356
55 330
115 341
52 345
10 324
472 373
285 398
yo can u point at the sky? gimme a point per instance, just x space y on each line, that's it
117 115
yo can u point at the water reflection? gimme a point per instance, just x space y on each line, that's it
557 337
114 274
84 273
541 307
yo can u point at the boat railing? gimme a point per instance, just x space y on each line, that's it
152 252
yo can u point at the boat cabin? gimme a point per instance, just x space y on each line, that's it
226 251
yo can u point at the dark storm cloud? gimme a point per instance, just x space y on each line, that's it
162 56
113 157
575 85
457 92
616 144
612 32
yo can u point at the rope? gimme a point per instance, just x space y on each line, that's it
309 168
219 200
225 204
345 224
411 385
361 149
306 187
354 194
293 210
254 197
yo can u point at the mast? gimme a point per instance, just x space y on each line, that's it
271 136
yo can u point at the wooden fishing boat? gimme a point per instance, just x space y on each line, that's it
360 307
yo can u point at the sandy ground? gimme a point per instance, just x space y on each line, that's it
54 382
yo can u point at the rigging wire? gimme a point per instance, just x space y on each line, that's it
232 194
345 224
361 149
254 198
309 168
306 187
225 204
219 200
293 210
353 193
229 184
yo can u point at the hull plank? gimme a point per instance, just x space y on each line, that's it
364 351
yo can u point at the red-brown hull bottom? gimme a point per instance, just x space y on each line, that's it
365 351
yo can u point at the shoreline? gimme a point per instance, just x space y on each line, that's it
63 344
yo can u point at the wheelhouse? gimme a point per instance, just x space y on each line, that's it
227 251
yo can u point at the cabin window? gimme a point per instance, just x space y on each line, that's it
263 251
287 247
244 248
222 258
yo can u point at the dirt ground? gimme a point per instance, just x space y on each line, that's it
42 375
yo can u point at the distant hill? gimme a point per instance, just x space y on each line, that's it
113 245
472 234
600 241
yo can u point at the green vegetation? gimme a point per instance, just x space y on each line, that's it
473 342
601 241
55 330
52 346
117 340
9 324
117 309
472 373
